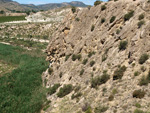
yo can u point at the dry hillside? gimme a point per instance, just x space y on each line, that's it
99 60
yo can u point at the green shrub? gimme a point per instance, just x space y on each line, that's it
53 89
143 58
136 73
92 27
46 107
60 74
111 97
97 2
102 20
100 109
81 72
112 19
138 105
73 9
119 73
85 61
67 57
75 57
99 80
114 91
140 24
77 95
77 19
103 7
65 90
117 31
123 45
128 15
138 111
89 110
141 16
50 70
138 94
104 57
145 80
91 54
89 7
77 88
92 63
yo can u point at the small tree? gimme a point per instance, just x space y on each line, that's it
112 19
73 9
97 2
123 45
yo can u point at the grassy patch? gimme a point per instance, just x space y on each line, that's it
21 90
11 18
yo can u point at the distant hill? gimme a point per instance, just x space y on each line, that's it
9 5
57 5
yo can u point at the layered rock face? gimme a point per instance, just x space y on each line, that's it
100 50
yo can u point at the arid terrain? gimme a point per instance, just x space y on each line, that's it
94 59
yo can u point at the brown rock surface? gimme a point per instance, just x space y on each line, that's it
103 40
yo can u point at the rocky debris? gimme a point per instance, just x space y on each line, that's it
85 47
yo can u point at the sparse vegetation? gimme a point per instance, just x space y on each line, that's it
103 7
136 73
77 95
140 23
141 16
53 89
85 61
102 20
81 72
145 80
118 74
92 27
67 57
138 105
143 58
139 94
65 90
128 15
112 19
97 2
100 109
139 111
100 80
92 63
123 45
111 97
50 70
91 54
75 57
77 19
117 31
73 9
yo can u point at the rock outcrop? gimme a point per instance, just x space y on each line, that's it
105 40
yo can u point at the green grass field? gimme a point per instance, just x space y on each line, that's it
11 18
21 90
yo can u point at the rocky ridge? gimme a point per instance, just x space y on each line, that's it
100 50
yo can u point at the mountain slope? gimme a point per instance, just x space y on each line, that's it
103 52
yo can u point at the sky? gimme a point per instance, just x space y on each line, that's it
36 2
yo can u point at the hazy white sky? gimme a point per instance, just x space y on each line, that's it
36 2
